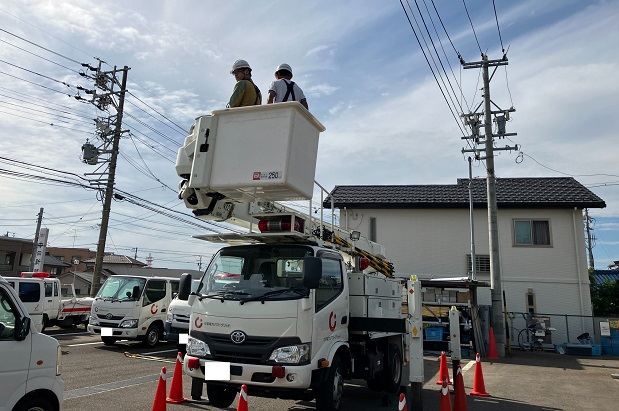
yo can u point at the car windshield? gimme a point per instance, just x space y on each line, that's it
122 288
258 272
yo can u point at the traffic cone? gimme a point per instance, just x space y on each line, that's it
176 387
159 401
445 399
479 389
492 352
242 399
460 397
402 403
443 372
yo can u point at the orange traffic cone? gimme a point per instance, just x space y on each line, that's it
242 399
402 403
443 372
492 352
479 389
176 388
159 401
460 398
445 399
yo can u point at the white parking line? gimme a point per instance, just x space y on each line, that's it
156 352
56 335
467 366
91 343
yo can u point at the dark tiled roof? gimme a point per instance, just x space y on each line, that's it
54 262
542 192
116 259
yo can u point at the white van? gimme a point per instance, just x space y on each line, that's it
31 365
132 308
31 292
177 320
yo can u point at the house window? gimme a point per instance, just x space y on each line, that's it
482 264
531 232
530 303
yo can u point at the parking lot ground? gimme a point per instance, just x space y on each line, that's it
100 377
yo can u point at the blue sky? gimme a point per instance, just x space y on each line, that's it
362 70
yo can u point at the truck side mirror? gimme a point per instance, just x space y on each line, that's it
22 328
312 272
136 292
184 287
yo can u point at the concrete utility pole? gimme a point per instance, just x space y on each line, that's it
36 239
590 238
104 99
474 120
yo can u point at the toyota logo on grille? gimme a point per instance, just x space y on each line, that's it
237 337
109 316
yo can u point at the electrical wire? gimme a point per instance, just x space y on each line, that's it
497 26
471 21
41 57
182 130
35 44
44 122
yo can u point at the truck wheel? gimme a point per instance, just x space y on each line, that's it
197 384
220 395
392 374
151 339
329 394
109 340
34 404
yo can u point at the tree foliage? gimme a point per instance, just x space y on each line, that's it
605 298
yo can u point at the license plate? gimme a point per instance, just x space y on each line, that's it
217 371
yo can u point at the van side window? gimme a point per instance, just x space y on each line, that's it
55 289
29 292
155 291
7 317
49 288
331 282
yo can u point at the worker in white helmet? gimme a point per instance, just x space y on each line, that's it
284 89
245 93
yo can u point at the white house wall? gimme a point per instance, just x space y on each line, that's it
434 243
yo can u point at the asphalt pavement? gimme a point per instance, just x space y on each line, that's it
101 377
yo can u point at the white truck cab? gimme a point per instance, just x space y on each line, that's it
177 320
31 365
31 292
132 308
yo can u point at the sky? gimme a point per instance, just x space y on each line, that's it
390 118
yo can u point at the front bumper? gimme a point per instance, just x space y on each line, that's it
120 333
298 377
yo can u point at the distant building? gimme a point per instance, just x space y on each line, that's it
74 257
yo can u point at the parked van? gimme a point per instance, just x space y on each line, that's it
132 308
31 365
31 292
177 320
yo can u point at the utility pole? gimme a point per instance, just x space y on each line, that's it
590 238
474 120
105 82
135 256
200 264
36 239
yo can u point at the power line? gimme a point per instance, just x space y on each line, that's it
471 21
497 26
44 122
41 57
182 130
37 45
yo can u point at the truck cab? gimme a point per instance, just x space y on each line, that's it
286 328
31 366
31 292
132 308
177 320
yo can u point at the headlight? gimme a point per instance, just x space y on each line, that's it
58 361
293 354
169 316
93 320
197 347
129 324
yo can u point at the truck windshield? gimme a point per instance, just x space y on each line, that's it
122 288
257 272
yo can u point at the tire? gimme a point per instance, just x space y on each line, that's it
182 348
220 396
109 340
197 384
34 404
152 337
331 392
522 340
392 374
45 323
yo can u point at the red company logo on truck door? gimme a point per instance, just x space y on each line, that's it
198 322
154 308
332 321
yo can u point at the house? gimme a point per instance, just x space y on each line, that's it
426 231
74 257
118 264
81 282
15 255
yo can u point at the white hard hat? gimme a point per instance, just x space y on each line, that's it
284 66
239 64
